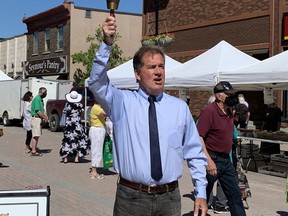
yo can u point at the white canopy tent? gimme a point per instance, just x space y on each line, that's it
205 70
123 75
3 76
269 73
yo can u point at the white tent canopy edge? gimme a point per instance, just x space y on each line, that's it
203 71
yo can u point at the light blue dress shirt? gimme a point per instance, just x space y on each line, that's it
128 110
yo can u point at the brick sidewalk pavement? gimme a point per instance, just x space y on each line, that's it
74 193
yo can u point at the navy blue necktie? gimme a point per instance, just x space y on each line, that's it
156 167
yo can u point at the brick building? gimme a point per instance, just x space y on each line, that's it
255 27
54 35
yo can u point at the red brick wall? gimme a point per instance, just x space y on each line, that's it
199 25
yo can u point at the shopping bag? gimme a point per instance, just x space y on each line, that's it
107 152
243 184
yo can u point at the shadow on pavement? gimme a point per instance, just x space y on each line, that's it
3 166
191 196
188 214
106 171
45 151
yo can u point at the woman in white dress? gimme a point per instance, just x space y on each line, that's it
27 118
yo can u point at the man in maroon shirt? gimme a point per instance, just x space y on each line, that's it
216 127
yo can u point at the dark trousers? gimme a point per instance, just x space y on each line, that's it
131 202
227 177
28 137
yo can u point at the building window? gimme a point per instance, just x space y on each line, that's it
285 29
47 39
35 42
60 32
88 14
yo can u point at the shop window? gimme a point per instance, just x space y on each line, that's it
35 42
88 14
285 29
47 39
60 36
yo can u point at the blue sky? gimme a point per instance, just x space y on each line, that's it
13 11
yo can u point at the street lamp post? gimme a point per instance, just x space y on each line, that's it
156 16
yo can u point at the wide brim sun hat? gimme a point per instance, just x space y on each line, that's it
73 97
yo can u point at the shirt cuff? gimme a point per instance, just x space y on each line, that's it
200 192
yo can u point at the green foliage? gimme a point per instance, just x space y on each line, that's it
195 118
86 58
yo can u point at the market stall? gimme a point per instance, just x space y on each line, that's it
205 70
277 162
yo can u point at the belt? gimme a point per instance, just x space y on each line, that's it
152 189
218 154
36 116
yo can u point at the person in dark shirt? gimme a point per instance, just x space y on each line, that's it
272 119
216 127
271 123
241 113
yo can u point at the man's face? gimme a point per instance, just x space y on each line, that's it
151 78
44 94
221 96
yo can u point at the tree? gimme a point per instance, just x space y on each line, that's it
86 58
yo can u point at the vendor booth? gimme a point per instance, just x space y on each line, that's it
205 70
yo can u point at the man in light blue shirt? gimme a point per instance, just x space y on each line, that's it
137 192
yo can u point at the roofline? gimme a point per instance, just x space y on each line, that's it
106 11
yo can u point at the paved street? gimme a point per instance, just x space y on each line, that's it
74 193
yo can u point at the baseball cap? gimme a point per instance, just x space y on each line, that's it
224 86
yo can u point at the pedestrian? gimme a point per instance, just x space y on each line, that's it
96 135
216 129
153 134
219 204
272 119
241 113
271 123
38 118
27 119
75 141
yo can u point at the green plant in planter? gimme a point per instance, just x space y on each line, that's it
161 39
149 40
165 39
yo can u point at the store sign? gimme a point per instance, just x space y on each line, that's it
49 66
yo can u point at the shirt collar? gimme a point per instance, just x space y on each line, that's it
218 109
145 96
